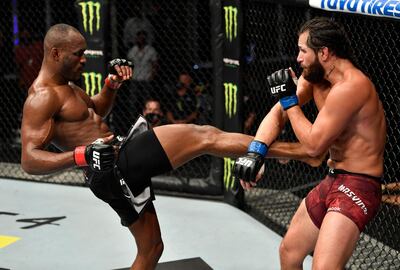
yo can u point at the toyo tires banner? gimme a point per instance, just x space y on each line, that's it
381 8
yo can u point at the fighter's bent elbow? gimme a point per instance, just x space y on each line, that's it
29 168
315 151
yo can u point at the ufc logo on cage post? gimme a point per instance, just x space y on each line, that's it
92 82
231 22
231 91
91 17
278 88
96 160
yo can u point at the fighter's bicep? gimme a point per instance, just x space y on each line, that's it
336 114
38 119
37 136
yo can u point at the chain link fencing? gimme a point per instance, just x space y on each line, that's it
169 44
179 33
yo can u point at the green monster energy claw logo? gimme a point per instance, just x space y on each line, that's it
231 25
89 10
231 91
229 180
93 82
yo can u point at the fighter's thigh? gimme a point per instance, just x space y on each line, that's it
302 233
183 142
337 239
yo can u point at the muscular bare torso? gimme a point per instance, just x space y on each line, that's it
360 146
77 123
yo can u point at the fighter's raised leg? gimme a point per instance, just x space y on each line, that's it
183 142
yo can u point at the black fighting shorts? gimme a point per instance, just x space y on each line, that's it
128 189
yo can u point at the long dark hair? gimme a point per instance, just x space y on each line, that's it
324 32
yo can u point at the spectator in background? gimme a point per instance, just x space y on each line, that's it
134 25
183 108
28 57
153 113
144 58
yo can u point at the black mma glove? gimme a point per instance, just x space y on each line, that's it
247 167
282 86
98 156
115 84
117 62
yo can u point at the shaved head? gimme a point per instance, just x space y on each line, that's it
64 48
59 35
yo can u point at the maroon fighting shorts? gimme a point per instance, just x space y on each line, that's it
354 195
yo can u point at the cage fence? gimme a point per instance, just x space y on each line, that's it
178 41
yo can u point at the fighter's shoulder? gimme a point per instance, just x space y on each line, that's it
354 89
355 82
40 95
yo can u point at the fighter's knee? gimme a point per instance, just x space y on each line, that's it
288 257
283 250
148 256
153 252
208 135
158 249
208 129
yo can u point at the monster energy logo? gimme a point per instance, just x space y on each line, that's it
229 180
231 25
230 99
89 10
93 82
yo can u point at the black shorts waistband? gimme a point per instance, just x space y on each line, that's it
334 172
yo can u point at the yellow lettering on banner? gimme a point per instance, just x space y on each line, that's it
7 240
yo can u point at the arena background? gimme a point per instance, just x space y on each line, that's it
228 48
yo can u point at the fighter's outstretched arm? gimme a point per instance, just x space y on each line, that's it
294 151
289 151
246 167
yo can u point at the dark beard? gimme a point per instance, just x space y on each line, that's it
315 72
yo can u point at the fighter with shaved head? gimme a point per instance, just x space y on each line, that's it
118 170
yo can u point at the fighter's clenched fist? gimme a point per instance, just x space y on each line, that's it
282 86
119 70
98 156
247 167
